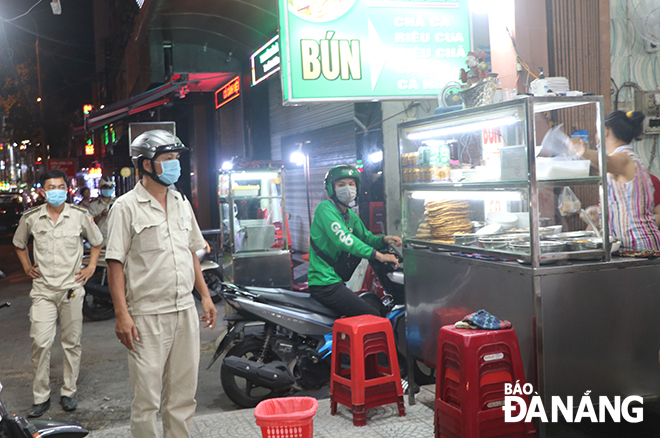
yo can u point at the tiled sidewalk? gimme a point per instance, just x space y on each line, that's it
382 422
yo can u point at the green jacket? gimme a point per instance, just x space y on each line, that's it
332 234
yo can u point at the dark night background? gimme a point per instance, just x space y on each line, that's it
66 57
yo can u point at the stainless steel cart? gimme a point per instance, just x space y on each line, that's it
253 219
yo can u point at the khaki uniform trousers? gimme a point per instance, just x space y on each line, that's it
47 307
166 359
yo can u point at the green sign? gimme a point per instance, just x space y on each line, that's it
362 50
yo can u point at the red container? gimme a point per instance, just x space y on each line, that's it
286 417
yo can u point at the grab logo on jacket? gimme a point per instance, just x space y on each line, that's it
346 239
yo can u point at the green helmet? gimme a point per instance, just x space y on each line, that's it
340 172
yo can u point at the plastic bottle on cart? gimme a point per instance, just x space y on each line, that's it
422 155
445 156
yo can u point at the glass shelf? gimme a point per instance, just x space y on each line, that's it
495 148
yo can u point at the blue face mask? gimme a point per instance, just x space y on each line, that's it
171 171
107 193
56 197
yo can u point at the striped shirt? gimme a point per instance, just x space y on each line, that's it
631 208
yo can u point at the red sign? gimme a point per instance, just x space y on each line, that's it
67 166
228 92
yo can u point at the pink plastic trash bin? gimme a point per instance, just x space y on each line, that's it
286 417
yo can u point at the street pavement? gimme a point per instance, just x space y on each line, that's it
382 422
104 392
105 395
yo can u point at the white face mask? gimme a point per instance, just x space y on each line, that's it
346 194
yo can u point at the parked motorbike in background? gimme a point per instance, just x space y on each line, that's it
285 338
16 426
97 304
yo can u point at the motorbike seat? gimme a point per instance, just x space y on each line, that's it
299 300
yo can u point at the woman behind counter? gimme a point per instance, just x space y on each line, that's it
629 186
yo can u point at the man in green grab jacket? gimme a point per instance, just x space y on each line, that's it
338 240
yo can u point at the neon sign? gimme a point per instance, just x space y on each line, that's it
266 60
228 92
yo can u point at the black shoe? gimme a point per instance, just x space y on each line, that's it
38 409
68 403
405 386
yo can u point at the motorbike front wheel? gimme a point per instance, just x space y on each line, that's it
240 390
97 306
213 280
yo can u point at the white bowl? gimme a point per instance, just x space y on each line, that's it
506 220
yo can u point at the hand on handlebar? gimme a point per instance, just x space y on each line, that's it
392 240
387 258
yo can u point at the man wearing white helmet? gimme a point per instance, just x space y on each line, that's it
152 269
100 207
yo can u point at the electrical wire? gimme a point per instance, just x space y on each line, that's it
10 52
616 88
51 53
85 47
364 130
624 85
518 58
22 15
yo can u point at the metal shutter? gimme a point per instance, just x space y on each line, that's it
322 125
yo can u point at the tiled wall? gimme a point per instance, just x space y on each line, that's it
630 62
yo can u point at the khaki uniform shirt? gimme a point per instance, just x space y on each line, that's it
96 207
156 248
57 248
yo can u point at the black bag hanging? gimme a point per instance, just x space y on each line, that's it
345 265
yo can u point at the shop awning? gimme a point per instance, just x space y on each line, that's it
180 84
142 102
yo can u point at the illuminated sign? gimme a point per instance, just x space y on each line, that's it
95 172
364 50
228 92
68 166
266 61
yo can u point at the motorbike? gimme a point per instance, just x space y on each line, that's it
284 338
97 304
16 426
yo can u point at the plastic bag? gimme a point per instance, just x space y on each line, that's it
568 202
557 143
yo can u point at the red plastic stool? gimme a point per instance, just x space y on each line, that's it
366 383
472 368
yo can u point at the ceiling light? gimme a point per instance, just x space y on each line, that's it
56 7
298 156
376 157
468 127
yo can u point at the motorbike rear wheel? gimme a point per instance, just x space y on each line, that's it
213 279
240 390
96 307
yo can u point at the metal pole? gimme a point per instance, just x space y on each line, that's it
307 183
36 45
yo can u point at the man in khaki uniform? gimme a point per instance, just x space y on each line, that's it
152 267
57 285
100 207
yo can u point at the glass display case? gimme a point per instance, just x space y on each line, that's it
253 219
500 181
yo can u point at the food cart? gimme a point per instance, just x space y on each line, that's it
255 244
583 317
